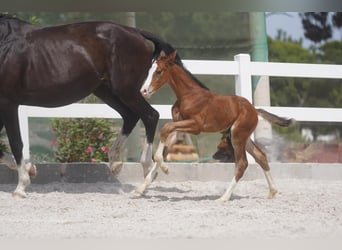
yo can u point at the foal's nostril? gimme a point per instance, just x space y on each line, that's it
144 93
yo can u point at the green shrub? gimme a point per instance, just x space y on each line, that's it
81 140
3 144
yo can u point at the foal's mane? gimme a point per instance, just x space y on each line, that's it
179 62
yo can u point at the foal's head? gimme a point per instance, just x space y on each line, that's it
161 74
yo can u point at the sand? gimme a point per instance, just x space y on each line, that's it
303 209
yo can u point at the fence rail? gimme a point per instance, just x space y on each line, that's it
242 68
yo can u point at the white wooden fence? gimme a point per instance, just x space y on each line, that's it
242 68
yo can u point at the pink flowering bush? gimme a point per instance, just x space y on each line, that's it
82 140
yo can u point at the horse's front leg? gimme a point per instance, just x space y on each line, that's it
25 171
146 158
114 154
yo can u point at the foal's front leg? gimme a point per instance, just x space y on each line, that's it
188 126
152 174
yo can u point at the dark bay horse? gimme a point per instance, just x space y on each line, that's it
197 109
59 65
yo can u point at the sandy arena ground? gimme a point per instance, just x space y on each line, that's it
303 209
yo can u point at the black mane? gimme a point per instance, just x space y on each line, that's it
10 17
168 49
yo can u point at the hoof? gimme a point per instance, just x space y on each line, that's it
116 167
165 168
19 194
221 200
31 169
139 192
272 194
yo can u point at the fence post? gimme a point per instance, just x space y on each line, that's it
243 84
243 81
24 131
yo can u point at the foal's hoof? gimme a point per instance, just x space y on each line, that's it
139 192
31 169
272 193
19 194
164 168
115 167
221 200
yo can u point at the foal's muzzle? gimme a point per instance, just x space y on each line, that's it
146 93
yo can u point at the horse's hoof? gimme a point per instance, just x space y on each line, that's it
116 167
31 169
19 194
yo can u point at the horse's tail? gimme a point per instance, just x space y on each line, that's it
272 118
159 44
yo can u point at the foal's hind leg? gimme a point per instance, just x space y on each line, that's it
241 163
261 159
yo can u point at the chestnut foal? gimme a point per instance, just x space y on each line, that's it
197 109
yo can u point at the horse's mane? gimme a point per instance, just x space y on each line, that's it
6 17
161 45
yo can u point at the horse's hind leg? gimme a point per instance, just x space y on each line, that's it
11 122
260 157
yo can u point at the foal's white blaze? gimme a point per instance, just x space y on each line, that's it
144 89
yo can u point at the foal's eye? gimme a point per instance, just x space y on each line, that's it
158 73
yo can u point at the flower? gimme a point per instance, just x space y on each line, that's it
100 136
104 149
89 149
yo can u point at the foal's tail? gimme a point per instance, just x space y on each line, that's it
272 118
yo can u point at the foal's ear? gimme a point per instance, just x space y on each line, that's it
172 56
162 55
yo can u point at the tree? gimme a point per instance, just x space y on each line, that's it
306 92
318 25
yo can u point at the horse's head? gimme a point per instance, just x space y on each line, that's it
160 76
